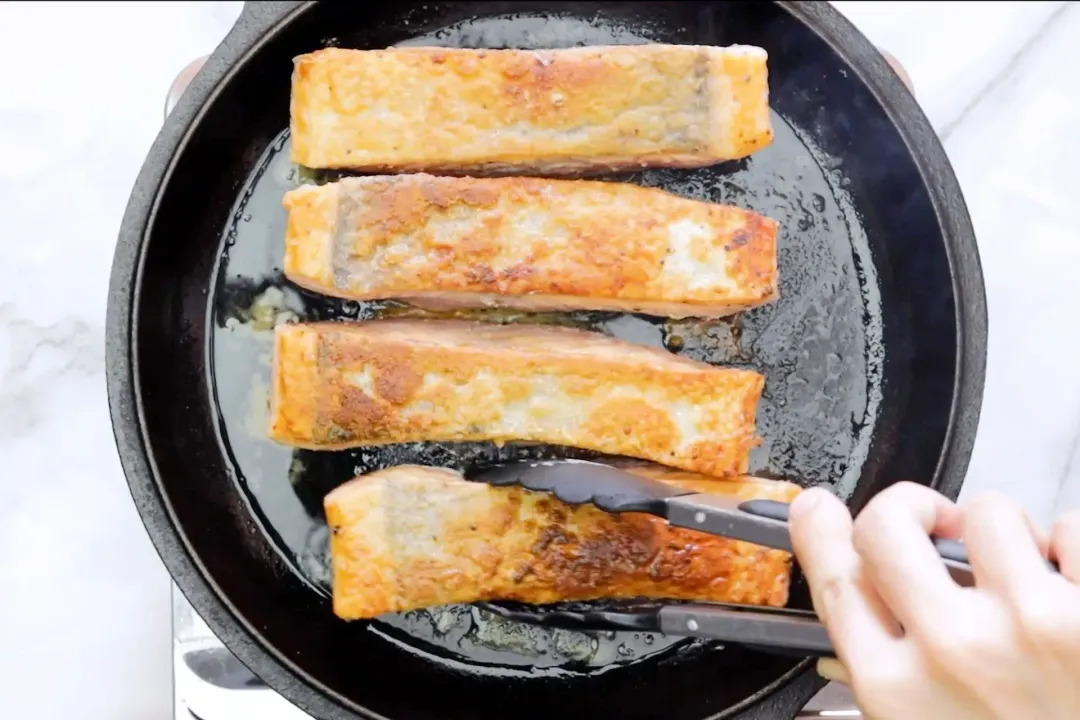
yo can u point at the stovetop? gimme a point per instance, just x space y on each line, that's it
209 683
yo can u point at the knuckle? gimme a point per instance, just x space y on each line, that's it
989 502
877 508
968 639
906 487
1042 620
1067 527
905 490
833 592
1064 545
960 648
870 523
897 492
901 494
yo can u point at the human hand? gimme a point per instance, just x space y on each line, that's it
913 644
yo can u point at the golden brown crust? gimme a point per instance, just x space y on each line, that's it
463 111
340 385
413 537
528 243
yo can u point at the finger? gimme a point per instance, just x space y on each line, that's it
833 670
1004 554
892 535
821 536
1041 538
1065 545
948 520
877 605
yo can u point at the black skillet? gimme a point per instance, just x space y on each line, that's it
874 356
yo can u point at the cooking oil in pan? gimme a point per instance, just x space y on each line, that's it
819 347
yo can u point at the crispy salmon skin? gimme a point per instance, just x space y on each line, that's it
413 537
529 244
460 111
342 385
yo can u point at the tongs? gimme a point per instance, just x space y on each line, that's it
762 522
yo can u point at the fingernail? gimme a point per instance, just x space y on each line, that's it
806 500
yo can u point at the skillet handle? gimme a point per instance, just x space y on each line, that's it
773 632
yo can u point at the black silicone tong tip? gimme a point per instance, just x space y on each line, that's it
579 482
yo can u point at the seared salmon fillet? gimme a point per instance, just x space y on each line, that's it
338 385
577 110
529 244
413 537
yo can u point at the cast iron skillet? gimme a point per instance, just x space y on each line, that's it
874 356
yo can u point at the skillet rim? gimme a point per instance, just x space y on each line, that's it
257 26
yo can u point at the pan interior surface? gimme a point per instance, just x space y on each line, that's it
853 348
816 415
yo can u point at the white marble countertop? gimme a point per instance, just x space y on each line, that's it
85 623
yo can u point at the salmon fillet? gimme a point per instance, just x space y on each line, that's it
338 385
460 111
528 244
413 537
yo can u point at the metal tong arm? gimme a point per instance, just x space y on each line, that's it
776 631
765 522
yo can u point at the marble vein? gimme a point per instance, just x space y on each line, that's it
1016 156
1021 54
37 355
952 49
1067 496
